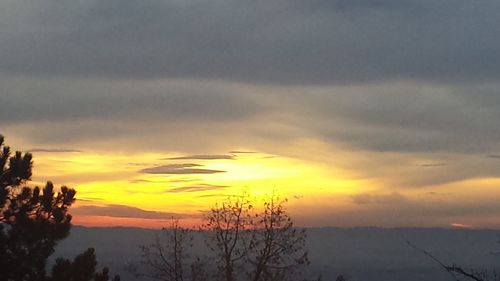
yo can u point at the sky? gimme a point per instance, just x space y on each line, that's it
359 112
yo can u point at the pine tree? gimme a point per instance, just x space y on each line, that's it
82 268
32 222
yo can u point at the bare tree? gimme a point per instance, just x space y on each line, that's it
277 248
243 245
167 257
228 225
456 271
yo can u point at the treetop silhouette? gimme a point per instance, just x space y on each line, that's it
32 222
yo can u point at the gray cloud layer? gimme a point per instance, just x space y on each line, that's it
409 76
67 99
278 41
449 46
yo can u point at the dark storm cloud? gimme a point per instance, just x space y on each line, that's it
285 41
175 169
122 211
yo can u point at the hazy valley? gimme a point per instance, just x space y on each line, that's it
361 254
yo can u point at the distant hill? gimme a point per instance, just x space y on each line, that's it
362 254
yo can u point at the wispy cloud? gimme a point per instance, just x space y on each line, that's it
139 164
203 157
429 165
269 157
197 188
159 181
461 225
180 169
139 181
241 152
367 198
214 195
55 150
89 199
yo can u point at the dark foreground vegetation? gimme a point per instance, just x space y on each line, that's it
239 244
32 222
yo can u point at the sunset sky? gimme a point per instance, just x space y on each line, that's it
360 112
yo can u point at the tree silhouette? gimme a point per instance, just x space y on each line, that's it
457 272
243 244
32 220
264 245
229 223
167 258
82 268
277 248
341 278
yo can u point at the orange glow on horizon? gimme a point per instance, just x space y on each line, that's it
105 221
